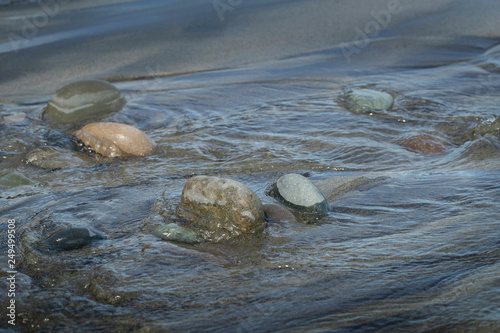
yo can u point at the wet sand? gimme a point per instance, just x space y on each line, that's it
44 48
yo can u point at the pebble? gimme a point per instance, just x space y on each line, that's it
298 192
72 238
83 100
278 213
366 100
175 232
221 208
14 118
424 144
113 140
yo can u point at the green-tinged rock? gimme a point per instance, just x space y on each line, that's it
72 238
366 100
14 179
299 193
53 158
175 232
220 208
83 100
487 127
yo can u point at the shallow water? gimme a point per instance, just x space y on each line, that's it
415 247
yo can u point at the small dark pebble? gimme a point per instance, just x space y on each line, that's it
72 238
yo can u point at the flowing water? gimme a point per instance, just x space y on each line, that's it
416 247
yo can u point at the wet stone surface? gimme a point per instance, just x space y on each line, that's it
278 213
298 192
424 144
14 179
71 239
113 140
53 158
83 100
221 208
366 100
177 233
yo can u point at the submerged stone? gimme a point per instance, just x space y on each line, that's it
365 100
175 232
298 192
221 208
278 213
83 100
72 238
113 140
424 144
14 179
53 158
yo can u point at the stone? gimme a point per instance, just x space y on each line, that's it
14 179
14 118
424 144
113 140
220 208
278 213
366 100
177 233
83 100
298 192
336 187
53 158
72 238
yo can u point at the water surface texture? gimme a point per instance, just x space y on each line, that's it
252 90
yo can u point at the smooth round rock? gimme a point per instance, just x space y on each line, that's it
113 140
83 100
278 213
72 238
365 100
298 192
424 144
175 232
221 208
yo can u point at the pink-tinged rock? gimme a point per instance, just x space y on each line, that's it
424 144
278 213
113 140
220 208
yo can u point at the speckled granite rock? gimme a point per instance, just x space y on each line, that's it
220 208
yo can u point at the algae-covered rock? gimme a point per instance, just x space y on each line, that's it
83 100
221 208
14 179
175 232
